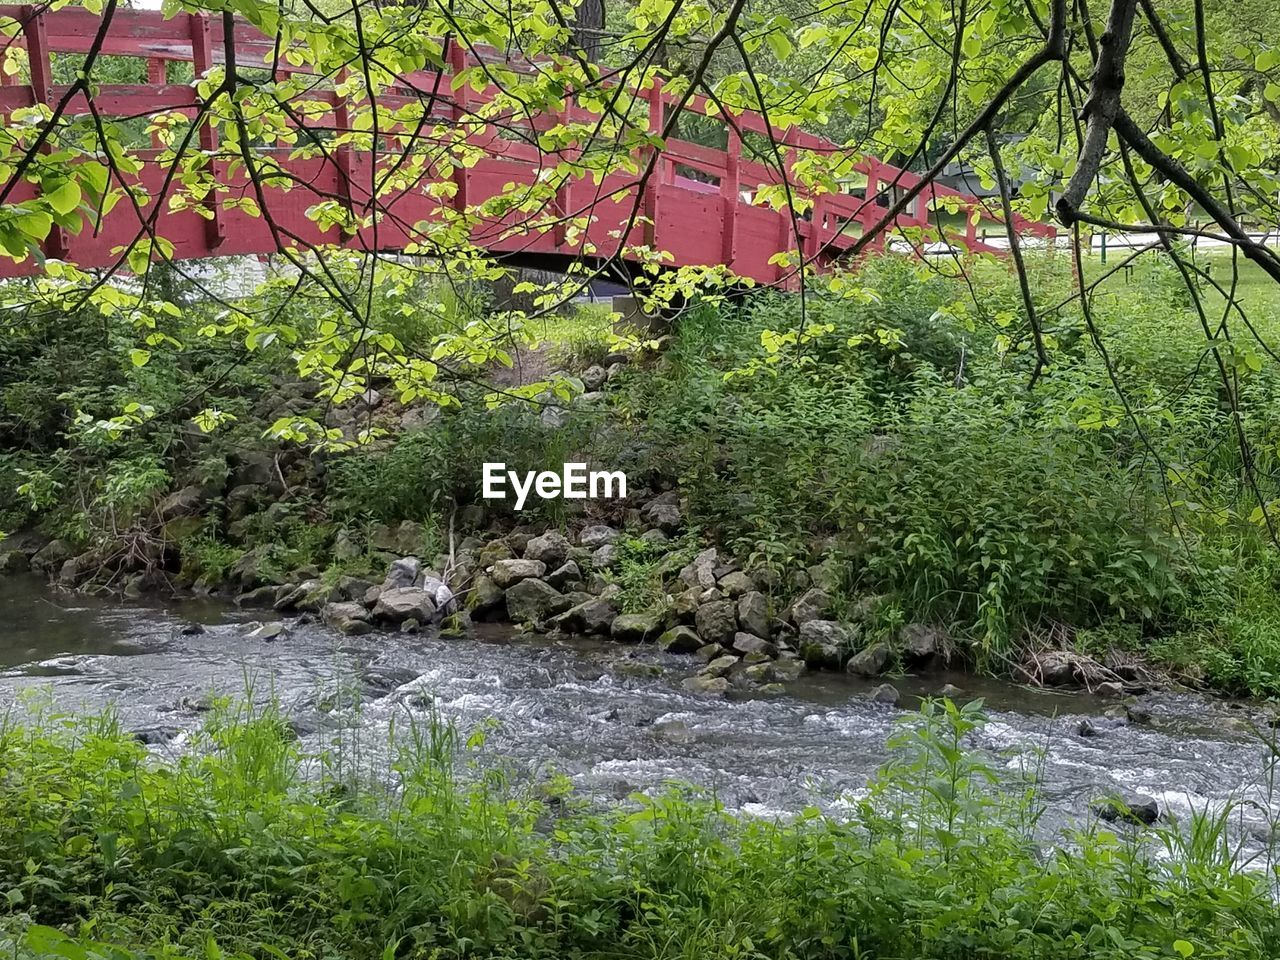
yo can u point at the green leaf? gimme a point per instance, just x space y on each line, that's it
1182 948
65 197
139 357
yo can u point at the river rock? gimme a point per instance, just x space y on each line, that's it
680 639
51 556
813 604
605 557
661 515
753 613
824 643
532 600
352 588
749 643
1128 808
403 572
717 622
493 552
485 595
701 571
684 605
268 631
185 502
397 604
887 694
594 616
507 573
307 595
564 575
551 548
950 691
870 661
347 617
596 536
257 597
706 684
787 671
735 584
922 644
13 561
635 627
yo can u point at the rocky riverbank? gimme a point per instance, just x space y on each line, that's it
752 628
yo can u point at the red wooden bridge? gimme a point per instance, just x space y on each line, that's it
701 205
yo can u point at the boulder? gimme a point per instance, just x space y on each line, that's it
532 601
334 613
257 597
397 604
594 377
825 643
51 556
922 644
753 613
736 584
786 671
705 684
507 573
721 666
887 694
869 662
13 561
662 516
813 604
701 571
749 643
604 557
189 500
717 622
485 596
564 575
680 639
403 572
493 552
308 595
1128 808
551 548
596 536
352 588
685 604
269 631
76 569
635 627
592 616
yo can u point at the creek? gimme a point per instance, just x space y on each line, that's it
613 719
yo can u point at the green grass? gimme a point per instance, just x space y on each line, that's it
248 848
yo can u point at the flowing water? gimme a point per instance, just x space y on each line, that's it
613 719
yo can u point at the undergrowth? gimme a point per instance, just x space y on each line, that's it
247 847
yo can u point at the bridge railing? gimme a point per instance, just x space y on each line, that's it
833 222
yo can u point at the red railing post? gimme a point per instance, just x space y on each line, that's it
657 177
461 97
38 57
731 196
201 62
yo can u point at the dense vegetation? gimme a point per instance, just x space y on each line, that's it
885 423
247 848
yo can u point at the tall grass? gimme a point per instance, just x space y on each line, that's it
242 848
